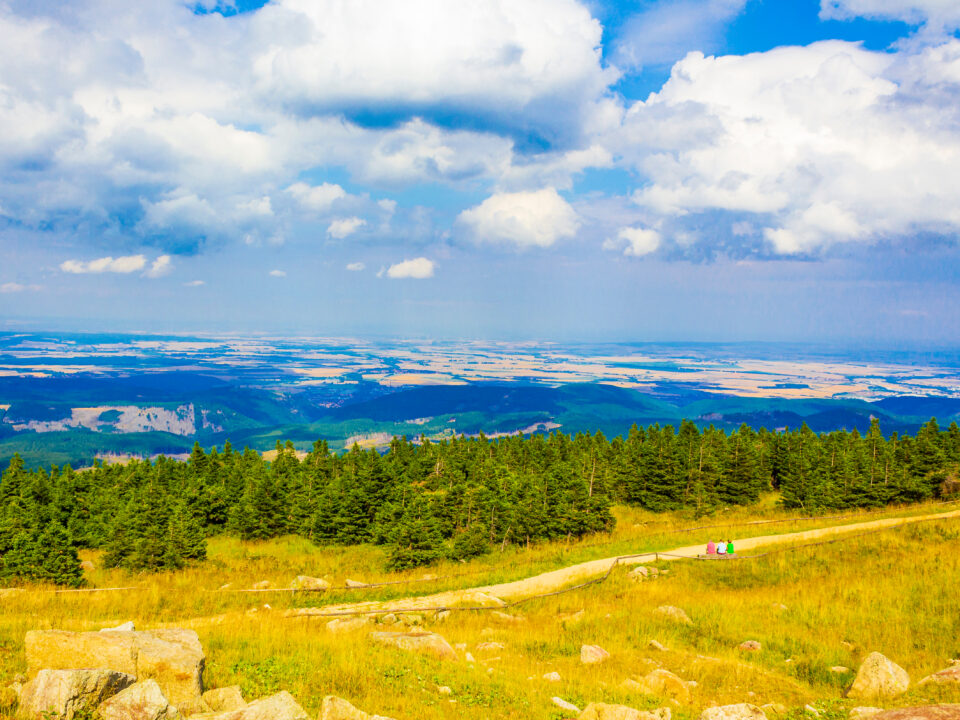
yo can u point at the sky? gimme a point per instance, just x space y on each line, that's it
580 170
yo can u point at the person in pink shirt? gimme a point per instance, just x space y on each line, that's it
711 548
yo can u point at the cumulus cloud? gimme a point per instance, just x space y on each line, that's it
163 265
356 266
318 197
343 227
124 265
278 273
635 241
418 269
815 145
525 219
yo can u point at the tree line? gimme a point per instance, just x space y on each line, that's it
457 498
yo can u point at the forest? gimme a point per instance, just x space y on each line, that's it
457 498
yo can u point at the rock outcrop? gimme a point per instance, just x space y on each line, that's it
227 698
425 643
140 701
923 712
947 676
281 706
335 708
593 654
174 658
878 677
862 713
65 693
740 711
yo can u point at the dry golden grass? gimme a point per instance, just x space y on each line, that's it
894 592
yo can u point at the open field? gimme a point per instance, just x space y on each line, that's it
892 591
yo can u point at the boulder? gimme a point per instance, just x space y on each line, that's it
878 677
674 613
862 713
140 701
87 566
564 705
227 698
749 646
335 708
604 711
552 676
262 585
947 676
174 658
740 711
305 582
664 683
593 654
924 712
424 643
349 624
65 693
122 627
281 706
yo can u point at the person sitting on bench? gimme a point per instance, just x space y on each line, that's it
721 548
729 547
711 548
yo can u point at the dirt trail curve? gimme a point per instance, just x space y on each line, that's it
554 580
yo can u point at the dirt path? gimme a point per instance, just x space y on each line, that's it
557 579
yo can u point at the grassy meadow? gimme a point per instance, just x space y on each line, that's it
811 609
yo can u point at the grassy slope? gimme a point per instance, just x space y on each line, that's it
893 592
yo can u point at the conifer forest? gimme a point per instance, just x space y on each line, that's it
457 498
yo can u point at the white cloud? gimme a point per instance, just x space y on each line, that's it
635 241
319 198
418 269
278 273
160 267
345 226
194 283
815 145
527 219
126 264
388 206
938 14
665 30
12 287
356 266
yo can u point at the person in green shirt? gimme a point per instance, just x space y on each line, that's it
729 547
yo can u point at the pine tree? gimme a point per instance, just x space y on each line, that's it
58 559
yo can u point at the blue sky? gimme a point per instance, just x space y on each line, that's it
572 169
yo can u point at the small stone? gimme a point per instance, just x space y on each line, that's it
663 683
348 624
749 646
564 705
388 619
740 711
775 709
444 690
469 658
779 606
572 618
552 676
840 669
490 646
354 583
442 615
425 643
460 647
227 698
593 654
811 710
655 645
262 585
310 584
507 618
674 613
87 566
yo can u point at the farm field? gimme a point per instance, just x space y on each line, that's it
811 608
